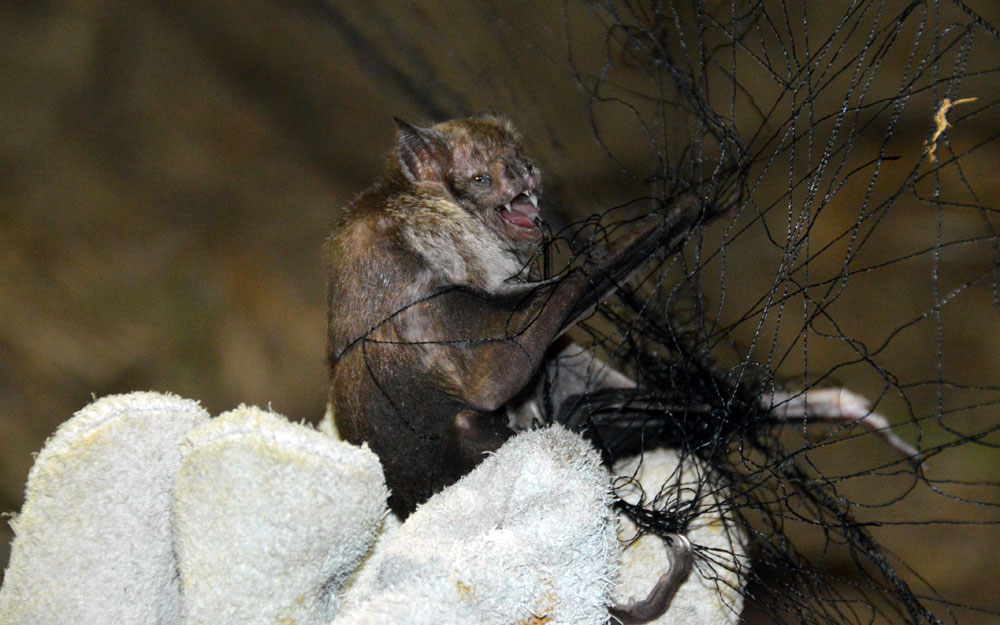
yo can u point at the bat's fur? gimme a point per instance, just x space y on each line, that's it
435 336
424 228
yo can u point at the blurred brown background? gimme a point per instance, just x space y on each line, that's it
168 172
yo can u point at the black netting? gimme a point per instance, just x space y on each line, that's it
858 138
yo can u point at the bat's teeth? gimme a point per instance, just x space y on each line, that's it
534 200
507 206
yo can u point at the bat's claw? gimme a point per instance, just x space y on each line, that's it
636 611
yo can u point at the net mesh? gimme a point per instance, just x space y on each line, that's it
863 253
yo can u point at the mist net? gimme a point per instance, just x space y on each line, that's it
852 147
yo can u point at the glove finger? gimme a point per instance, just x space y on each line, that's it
528 536
93 539
272 519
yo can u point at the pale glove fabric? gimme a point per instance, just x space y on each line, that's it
529 534
261 519
141 509
271 519
93 541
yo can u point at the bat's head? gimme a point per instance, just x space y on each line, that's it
478 162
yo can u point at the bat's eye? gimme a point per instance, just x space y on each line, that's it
481 179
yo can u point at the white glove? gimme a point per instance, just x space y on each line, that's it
141 509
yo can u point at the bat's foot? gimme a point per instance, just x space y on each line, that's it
656 603
836 405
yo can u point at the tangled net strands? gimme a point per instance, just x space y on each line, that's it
835 133
814 138
855 134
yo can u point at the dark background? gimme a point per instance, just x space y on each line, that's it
168 172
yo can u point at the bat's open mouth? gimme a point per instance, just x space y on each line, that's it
521 210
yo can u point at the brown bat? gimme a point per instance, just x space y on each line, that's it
436 333
433 331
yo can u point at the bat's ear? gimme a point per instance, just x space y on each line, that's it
423 153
